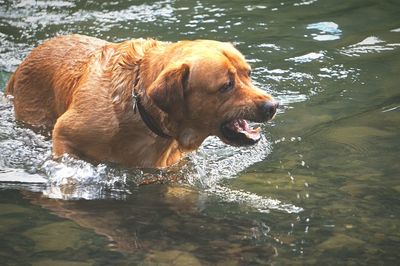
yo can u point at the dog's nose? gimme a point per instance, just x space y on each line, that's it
269 108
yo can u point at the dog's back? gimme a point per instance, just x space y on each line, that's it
43 83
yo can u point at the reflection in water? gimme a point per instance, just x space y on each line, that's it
177 214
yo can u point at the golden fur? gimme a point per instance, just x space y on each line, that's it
81 87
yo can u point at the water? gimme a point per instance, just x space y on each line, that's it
322 187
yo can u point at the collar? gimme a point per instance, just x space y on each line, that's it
146 117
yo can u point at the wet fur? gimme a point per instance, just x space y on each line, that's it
81 88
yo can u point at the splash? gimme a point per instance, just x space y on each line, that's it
26 163
215 161
262 204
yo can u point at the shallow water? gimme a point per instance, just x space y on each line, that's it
321 187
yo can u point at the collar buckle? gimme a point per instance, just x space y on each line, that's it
135 99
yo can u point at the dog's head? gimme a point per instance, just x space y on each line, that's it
205 88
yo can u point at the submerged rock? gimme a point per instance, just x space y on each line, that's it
182 199
7 224
254 254
341 241
171 257
6 208
356 190
55 236
10 216
50 262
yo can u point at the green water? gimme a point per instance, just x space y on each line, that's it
333 149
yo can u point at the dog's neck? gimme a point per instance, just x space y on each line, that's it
143 105
168 132
146 117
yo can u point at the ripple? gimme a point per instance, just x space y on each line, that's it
11 53
338 72
327 31
144 13
43 4
390 109
369 45
308 57
305 3
254 7
286 74
269 46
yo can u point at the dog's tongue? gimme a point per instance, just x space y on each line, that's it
241 126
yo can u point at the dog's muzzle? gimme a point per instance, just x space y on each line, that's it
239 132
268 109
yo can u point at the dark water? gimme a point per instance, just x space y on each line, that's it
321 188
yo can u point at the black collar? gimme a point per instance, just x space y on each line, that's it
147 119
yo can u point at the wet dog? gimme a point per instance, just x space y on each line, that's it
141 103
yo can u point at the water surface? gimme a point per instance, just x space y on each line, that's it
322 187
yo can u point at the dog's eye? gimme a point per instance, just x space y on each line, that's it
227 87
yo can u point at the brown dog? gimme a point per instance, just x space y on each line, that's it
140 102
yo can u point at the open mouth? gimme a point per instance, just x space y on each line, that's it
239 132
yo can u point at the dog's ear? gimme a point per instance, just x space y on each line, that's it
168 90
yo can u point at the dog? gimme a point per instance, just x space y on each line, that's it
138 103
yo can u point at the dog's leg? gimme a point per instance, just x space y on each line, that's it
82 134
62 133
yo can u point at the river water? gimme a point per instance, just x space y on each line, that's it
322 187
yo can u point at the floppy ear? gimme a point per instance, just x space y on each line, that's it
167 91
